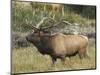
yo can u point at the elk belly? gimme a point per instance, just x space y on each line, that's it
59 47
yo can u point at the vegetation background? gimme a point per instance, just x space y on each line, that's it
76 19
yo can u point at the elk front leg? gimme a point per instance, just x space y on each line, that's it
53 61
63 60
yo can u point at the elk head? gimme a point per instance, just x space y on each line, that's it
39 31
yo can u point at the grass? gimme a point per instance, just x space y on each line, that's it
25 60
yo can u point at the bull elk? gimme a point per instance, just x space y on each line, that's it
58 45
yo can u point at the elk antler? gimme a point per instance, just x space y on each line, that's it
66 22
38 26
43 19
55 25
35 29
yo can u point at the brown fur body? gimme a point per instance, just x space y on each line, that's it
59 45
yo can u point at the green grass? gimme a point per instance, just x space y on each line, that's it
30 60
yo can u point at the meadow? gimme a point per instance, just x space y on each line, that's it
28 59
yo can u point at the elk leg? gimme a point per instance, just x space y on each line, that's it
86 56
53 60
63 60
81 54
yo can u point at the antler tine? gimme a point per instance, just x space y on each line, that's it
44 18
55 25
41 22
38 25
35 27
66 22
